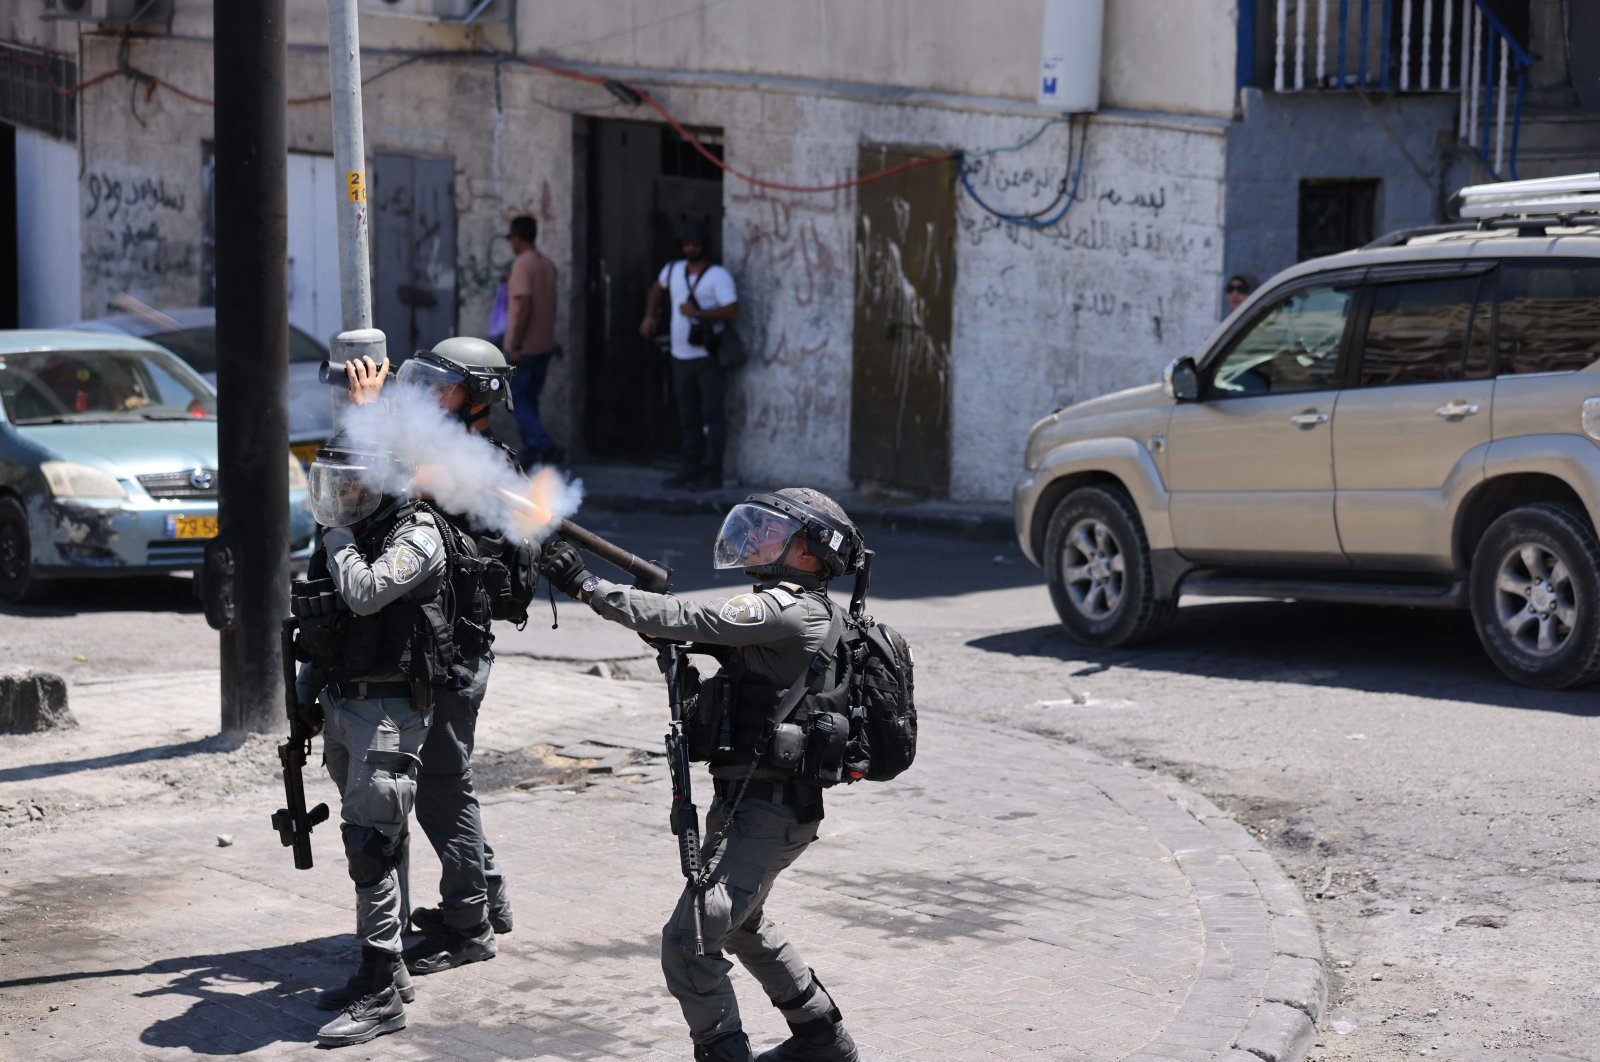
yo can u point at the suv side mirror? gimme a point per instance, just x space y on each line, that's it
1181 380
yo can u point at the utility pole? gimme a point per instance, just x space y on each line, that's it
248 564
350 160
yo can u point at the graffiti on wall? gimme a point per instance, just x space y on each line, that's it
135 232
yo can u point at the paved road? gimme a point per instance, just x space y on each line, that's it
1372 749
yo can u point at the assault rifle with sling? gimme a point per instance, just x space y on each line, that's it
294 823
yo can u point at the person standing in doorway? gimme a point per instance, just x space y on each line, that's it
704 302
531 339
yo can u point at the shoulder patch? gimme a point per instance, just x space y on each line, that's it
780 595
745 610
406 563
421 541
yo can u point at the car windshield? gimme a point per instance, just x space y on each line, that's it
198 347
76 386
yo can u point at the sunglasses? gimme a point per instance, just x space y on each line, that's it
1240 288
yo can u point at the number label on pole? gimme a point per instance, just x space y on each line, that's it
356 181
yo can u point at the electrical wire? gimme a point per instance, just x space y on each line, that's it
1034 220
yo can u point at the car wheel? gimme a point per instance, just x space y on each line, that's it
1535 587
17 581
1097 562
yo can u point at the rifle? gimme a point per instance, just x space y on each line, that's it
685 818
294 823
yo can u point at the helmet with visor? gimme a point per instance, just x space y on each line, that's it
757 534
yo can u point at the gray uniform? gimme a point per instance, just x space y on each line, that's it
372 745
776 633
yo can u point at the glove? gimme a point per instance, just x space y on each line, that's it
563 566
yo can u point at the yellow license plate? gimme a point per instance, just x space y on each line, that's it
191 527
306 452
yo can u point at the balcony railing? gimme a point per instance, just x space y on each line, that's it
1409 46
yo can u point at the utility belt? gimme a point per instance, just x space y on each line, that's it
732 720
419 694
805 799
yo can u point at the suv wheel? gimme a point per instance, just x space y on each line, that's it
1536 596
17 581
1097 562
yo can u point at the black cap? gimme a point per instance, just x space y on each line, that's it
694 231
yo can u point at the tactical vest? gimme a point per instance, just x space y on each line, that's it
413 636
734 721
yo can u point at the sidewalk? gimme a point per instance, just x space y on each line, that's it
1008 898
629 488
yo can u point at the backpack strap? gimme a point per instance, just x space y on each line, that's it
815 670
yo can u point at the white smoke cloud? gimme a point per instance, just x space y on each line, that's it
462 473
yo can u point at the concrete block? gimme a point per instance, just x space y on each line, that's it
1299 983
31 701
1276 1033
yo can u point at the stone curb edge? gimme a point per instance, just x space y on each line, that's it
1279 1024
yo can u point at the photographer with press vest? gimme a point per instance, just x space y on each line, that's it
783 718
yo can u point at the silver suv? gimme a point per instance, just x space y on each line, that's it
1413 423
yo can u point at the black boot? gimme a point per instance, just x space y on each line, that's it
431 919
379 1011
445 949
819 1040
353 989
732 1047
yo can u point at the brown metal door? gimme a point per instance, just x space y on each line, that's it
905 273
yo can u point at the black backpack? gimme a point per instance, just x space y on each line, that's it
511 575
878 663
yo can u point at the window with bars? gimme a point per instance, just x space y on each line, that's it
1336 216
32 95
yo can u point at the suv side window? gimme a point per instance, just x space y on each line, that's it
1420 331
1549 315
1293 345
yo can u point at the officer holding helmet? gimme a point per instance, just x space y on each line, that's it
466 376
792 542
369 630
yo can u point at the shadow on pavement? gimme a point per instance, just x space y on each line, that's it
31 772
70 597
1417 652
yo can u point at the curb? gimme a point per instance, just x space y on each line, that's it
1250 910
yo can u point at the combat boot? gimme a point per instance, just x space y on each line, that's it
353 989
822 1039
732 1047
431 920
445 949
379 1011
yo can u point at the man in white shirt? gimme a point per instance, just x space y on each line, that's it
704 302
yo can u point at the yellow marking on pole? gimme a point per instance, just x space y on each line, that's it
356 182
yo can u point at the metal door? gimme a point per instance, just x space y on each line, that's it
414 251
905 273
313 245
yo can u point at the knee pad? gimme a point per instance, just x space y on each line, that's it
369 854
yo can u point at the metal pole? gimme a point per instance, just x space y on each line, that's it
250 57
349 159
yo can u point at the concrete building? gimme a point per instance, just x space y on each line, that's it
903 333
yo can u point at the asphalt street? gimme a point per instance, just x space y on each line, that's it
1438 820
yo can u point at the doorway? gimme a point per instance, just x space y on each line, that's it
905 273
642 182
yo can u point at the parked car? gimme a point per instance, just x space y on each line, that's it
108 461
191 334
1412 423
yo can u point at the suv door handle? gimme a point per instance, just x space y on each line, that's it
1309 419
1456 409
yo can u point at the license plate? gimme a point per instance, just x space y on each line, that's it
191 527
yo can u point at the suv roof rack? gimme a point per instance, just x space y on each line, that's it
1544 197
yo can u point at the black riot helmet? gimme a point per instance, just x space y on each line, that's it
757 533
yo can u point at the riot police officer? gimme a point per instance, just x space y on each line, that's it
792 542
370 630
466 376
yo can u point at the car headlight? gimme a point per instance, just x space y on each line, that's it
68 479
297 473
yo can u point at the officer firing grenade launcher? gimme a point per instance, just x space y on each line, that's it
648 575
294 823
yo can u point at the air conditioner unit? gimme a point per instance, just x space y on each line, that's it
406 8
112 12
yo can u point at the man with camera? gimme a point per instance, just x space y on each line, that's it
705 302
